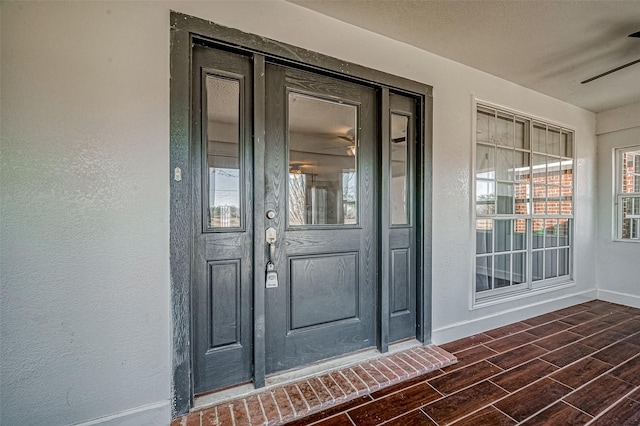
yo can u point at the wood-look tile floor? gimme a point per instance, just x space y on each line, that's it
279 404
575 366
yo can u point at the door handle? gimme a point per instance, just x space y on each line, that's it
271 236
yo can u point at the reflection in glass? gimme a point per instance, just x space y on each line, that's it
551 233
502 275
631 170
631 229
505 198
504 130
563 262
539 138
522 199
553 172
563 232
537 265
484 273
539 169
550 263
566 167
505 164
566 145
484 236
297 198
223 152
503 235
323 178
519 268
399 169
482 125
485 197
566 206
538 233
521 139
553 200
539 199
631 206
520 234
553 141
631 218
522 166
485 162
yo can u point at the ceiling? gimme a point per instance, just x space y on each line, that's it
547 46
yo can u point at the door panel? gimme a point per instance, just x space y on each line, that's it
324 289
402 227
400 281
320 179
222 190
224 288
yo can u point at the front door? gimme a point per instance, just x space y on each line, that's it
320 180
337 201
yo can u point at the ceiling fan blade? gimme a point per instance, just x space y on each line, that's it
637 35
610 71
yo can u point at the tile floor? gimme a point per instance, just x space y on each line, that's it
575 366
282 403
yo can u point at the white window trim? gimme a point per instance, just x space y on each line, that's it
618 195
533 288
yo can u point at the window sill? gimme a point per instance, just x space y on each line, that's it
617 240
504 298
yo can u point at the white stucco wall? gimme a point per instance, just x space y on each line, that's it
84 261
84 212
618 267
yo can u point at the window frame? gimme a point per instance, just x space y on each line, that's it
619 195
528 287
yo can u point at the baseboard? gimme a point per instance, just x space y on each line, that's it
158 414
478 325
619 298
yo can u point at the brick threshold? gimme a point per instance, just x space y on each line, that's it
291 401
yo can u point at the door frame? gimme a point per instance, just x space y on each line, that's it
184 31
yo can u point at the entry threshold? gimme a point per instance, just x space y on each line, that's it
290 396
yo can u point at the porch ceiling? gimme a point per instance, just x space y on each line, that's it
548 46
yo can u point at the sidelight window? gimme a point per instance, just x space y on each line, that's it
399 154
523 203
222 150
628 194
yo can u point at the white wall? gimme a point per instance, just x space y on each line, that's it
84 230
618 268
84 249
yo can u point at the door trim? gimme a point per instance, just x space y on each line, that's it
259 252
184 30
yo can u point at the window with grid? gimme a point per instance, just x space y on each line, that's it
628 193
523 203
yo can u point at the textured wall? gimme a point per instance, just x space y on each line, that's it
618 266
84 232
85 308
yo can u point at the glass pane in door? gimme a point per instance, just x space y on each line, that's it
223 152
322 175
398 162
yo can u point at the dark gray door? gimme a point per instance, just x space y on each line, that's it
222 268
399 183
320 182
323 192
